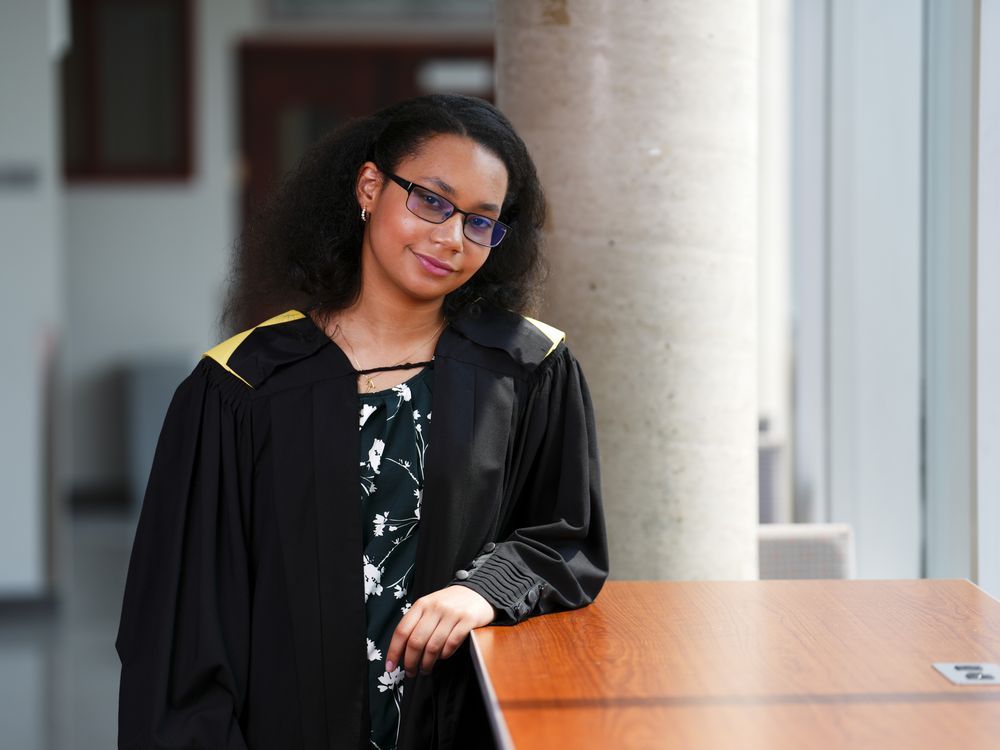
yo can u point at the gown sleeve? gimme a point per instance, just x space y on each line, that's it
183 639
553 555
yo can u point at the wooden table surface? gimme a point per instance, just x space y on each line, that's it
775 664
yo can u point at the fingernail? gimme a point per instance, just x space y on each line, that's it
389 665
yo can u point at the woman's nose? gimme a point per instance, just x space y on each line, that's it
451 232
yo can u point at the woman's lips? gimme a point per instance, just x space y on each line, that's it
434 266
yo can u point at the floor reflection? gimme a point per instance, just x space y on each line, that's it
58 666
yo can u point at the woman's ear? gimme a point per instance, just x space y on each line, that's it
369 186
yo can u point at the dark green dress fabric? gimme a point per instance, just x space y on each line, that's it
393 424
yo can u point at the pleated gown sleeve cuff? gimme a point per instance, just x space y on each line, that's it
511 592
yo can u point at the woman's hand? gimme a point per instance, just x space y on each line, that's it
435 626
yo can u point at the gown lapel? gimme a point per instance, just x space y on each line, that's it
463 483
339 535
316 443
466 458
450 444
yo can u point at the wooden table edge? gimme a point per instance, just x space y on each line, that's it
500 731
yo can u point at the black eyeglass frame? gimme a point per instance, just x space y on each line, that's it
408 187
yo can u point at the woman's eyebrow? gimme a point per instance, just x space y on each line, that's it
450 191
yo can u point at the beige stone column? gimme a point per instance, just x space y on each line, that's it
642 119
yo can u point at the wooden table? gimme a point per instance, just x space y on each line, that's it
769 664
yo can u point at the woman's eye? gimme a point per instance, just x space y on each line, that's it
480 222
432 200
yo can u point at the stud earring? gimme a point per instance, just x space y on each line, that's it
364 214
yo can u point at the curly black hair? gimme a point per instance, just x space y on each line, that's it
302 249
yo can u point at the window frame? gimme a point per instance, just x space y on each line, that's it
91 169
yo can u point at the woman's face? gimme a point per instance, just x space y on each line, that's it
412 259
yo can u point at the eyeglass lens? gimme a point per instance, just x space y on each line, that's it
432 207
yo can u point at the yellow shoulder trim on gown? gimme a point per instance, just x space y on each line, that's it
554 334
222 352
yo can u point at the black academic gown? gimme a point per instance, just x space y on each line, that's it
243 623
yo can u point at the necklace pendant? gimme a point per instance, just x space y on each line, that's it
370 383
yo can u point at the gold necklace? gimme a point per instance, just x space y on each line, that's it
370 376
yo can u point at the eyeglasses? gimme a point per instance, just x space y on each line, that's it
431 207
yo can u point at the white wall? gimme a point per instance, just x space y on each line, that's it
874 262
897 277
809 242
987 512
857 112
147 263
949 288
773 261
29 285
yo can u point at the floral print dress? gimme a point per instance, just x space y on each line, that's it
394 425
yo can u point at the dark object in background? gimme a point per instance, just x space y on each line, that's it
127 91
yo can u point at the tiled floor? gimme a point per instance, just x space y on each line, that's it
59 669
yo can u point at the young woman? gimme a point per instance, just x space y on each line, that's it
266 607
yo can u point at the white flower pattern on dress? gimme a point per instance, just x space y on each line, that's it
393 464
390 680
373 576
375 454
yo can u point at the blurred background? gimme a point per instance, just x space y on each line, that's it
135 135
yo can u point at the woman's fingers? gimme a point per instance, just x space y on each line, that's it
458 634
434 627
397 646
434 647
417 643
416 635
